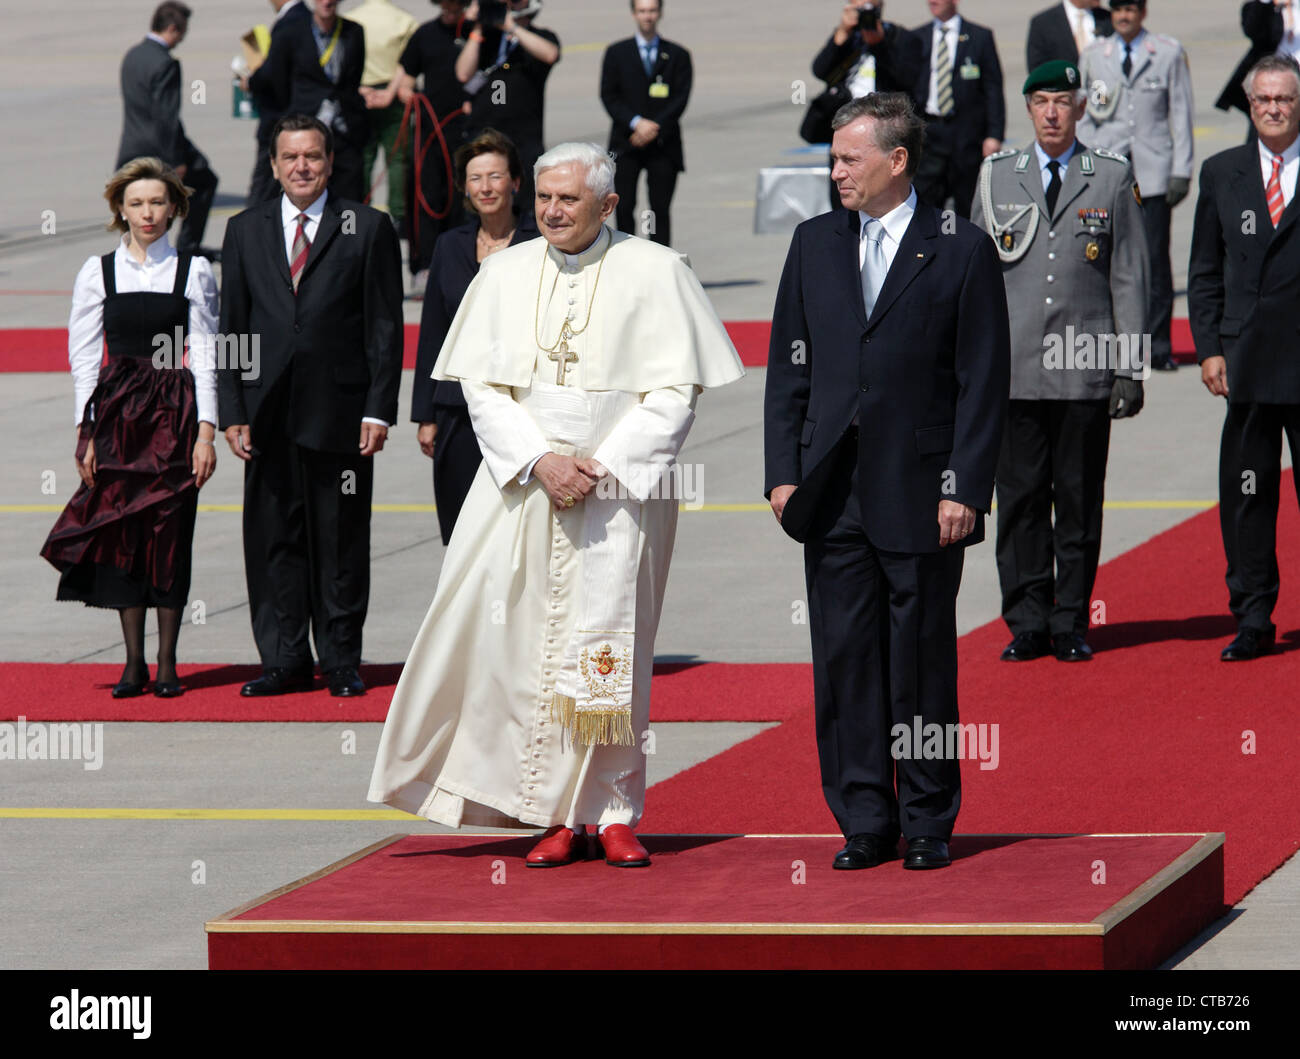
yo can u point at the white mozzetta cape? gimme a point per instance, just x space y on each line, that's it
652 322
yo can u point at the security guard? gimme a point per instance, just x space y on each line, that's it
1066 221
1140 105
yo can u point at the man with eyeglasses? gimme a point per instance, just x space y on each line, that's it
1243 285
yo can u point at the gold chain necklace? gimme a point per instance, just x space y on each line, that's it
566 331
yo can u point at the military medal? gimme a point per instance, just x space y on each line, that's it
1008 240
1092 251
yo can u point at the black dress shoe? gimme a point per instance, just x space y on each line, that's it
925 853
129 689
277 681
168 689
1164 364
1071 647
865 851
345 682
1250 643
1027 646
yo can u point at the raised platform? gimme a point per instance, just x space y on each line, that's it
1065 902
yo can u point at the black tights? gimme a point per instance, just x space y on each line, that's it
169 628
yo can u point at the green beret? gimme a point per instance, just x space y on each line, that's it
1055 76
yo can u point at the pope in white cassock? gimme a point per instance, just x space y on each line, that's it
527 690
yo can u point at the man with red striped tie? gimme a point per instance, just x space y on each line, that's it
1243 285
311 290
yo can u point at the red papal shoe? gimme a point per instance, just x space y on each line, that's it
558 846
622 849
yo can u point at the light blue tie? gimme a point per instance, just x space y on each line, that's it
874 266
646 61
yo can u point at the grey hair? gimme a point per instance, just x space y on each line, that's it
896 123
598 163
1283 64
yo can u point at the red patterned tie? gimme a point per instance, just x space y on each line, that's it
302 246
1273 191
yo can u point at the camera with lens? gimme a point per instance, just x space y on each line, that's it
492 12
868 17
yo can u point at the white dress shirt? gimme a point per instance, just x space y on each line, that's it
1289 45
1290 169
895 224
289 219
950 31
1043 158
1082 24
157 274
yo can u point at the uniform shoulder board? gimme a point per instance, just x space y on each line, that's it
1101 152
1006 152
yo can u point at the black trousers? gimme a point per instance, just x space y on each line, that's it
944 170
203 181
884 646
1053 456
306 551
1250 475
456 457
1160 297
661 181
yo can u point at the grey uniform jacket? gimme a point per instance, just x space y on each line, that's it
1076 280
1146 116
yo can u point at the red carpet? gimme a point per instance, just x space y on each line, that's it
46 348
1155 734
43 691
735 901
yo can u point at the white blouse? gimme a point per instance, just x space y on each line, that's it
157 274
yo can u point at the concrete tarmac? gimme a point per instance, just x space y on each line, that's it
134 893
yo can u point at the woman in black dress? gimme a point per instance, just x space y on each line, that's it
145 422
488 171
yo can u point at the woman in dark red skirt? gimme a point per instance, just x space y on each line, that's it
145 422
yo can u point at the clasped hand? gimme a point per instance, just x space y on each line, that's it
567 480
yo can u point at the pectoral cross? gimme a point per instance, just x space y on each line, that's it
563 356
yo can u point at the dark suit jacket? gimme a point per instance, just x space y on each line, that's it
1050 37
151 106
625 91
979 105
271 82
1264 26
898 58
454 266
1243 287
308 86
342 332
927 375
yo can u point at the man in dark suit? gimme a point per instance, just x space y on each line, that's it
269 85
960 88
1264 23
886 392
151 118
1243 284
645 82
317 71
1064 30
316 281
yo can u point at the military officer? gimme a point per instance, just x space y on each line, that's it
1140 105
1066 221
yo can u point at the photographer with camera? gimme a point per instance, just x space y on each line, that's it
865 54
504 66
